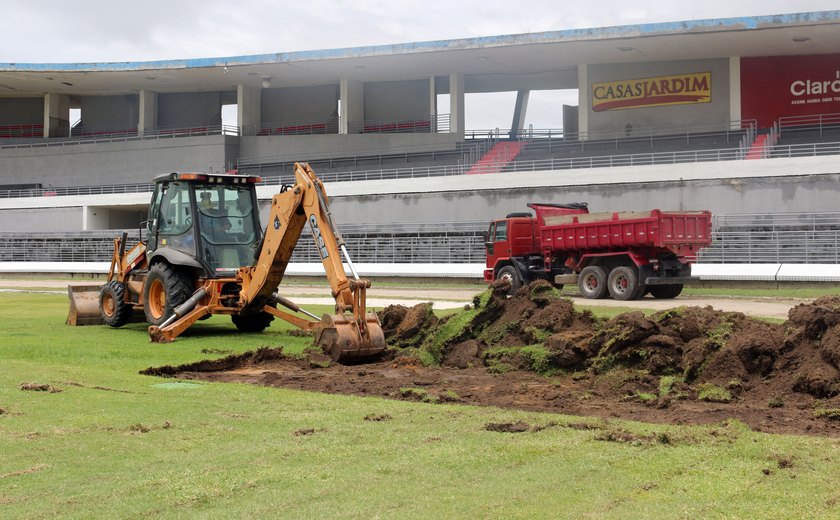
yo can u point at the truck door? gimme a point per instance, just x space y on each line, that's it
496 243
152 220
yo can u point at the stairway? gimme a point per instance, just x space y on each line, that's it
496 158
756 151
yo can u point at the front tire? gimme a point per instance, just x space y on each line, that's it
592 282
509 273
666 291
623 283
113 308
166 287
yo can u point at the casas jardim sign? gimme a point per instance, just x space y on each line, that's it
652 92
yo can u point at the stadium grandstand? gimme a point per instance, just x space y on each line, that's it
740 116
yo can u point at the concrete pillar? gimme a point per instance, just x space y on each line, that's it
56 115
248 109
519 111
735 91
352 116
456 103
583 102
433 104
147 120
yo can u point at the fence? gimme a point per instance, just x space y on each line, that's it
768 238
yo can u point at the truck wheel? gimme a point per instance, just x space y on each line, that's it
623 283
666 291
592 282
252 322
166 287
115 311
509 273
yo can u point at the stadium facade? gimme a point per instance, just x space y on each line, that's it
736 115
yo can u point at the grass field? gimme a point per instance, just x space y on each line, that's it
115 444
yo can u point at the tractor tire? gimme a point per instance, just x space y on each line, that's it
623 283
166 287
592 282
252 322
665 292
113 308
509 273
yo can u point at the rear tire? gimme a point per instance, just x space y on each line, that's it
592 282
623 283
113 308
166 287
252 322
666 291
509 273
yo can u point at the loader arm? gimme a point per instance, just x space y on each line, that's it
306 203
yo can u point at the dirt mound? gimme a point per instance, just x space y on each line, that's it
261 355
535 351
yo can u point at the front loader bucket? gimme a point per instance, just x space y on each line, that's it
84 305
344 340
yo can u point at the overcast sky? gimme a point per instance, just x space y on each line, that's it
59 31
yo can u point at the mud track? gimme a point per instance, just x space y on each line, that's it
535 352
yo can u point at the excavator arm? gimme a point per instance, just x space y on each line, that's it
342 335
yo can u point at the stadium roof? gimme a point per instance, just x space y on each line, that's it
546 60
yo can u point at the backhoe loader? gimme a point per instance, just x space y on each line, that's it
205 253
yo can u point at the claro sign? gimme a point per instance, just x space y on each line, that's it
779 86
652 92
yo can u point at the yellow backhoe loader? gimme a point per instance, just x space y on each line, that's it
205 253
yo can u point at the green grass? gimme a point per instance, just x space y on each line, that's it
115 444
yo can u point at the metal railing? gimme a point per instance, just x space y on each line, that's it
775 238
750 247
688 132
820 122
122 136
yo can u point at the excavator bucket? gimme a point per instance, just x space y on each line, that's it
343 339
84 305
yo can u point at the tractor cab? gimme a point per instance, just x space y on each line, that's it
204 221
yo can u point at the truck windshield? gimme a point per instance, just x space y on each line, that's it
228 225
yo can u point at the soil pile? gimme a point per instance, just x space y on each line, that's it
534 351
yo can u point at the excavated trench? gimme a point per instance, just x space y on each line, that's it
534 351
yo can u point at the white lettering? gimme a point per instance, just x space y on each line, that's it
813 86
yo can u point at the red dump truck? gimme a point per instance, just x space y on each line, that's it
624 255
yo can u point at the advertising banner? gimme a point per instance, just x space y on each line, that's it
652 92
778 86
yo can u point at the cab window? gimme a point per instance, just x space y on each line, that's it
175 216
501 231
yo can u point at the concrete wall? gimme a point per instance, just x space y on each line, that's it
715 112
184 110
731 196
43 220
109 112
113 163
299 105
18 111
303 147
397 100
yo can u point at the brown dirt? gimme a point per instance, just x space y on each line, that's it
37 387
534 351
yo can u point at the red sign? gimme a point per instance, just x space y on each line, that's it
779 86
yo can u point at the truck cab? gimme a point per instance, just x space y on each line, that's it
513 245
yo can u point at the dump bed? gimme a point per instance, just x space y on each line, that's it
683 232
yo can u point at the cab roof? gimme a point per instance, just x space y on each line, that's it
210 178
